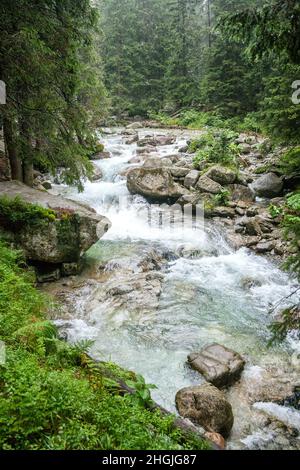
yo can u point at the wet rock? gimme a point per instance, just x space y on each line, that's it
251 241
97 173
47 274
157 141
71 269
264 246
191 178
207 185
144 150
132 139
135 125
155 184
207 406
216 439
219 365
221 175
240 211
101 156
240 192
183 149
250 225
269 186
47 185
134 160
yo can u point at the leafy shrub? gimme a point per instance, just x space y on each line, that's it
19 300
142 393
290 161
291 223
223 197
275 211
217 147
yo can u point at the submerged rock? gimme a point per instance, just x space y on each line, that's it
97 173
101 156
207 406
219 365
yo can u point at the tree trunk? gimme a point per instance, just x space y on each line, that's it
27 154
209 23
14 160
28 173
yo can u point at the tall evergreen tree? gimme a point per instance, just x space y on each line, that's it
54 85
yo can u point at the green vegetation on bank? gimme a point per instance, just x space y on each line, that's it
215 147
52 396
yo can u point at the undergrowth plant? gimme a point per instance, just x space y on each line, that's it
53 397
216 147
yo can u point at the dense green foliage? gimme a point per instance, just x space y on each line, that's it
55 94
228 64
291 223
216 147
52 396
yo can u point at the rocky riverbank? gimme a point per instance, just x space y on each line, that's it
250 190
152 296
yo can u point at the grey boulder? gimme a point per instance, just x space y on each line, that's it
269 186
219 365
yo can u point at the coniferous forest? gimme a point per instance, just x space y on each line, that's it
122 326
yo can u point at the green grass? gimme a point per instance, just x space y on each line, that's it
52 396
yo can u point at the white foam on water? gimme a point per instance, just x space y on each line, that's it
289 416
223 296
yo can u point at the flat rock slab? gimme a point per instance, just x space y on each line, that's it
219 365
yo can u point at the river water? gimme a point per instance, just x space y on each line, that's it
210 293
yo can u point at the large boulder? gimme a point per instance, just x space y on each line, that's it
155 184
64 239
221 175
206 406
207 185
219 365
269 186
